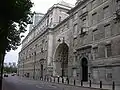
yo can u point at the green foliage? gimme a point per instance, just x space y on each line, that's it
10 69
14 17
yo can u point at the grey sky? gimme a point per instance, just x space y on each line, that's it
39 6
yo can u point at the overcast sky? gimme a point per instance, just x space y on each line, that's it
39 6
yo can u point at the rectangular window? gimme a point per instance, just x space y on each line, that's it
95 74
50 21
94 18
95 33
118 4
68 24
75 59
94 3
107 30
42 50
106 11
47 20
84 9
74 72
65 26
108 50
109 73
43 41
84 22
75 41
36 45
61 29
45 45
59 19
95 50
75 30
75 16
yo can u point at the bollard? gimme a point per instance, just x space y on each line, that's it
62 80
44 78
58 79
50 79
67 80
90 84
74 82
47 79
100 84
54 79
113 86
81 83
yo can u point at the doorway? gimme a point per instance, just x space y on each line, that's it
84 64
41 70
61 59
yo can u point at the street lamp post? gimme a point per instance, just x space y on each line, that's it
34 65
23 67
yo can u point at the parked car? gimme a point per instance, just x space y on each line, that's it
5 75
13 74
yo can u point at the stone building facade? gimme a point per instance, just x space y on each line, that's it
35 56
84 45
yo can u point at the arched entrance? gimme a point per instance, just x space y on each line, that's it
61 60
84 64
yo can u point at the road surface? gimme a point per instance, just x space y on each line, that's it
15 83
18 83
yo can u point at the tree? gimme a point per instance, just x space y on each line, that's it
10 69
14 17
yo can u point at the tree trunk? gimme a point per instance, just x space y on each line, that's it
3 46
1 68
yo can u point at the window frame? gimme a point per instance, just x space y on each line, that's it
94 18
95 53
110 52
105 14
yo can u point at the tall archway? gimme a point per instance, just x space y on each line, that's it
84 64
61 60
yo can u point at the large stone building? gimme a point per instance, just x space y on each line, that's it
81 42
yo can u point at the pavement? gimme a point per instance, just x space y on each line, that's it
93 85
18 83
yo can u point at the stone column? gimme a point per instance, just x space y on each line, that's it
50 52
